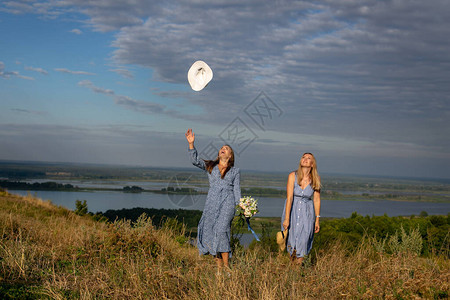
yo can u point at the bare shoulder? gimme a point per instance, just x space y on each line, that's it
291 177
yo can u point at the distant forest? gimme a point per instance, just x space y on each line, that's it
37 186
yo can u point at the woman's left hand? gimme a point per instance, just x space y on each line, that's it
317 226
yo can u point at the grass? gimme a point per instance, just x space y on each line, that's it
50 252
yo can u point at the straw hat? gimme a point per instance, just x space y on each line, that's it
281 239
199 75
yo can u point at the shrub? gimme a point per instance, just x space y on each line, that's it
81 208
423 214
404 242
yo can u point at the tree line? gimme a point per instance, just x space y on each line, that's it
38 186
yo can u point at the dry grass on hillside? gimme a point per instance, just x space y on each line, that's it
48 250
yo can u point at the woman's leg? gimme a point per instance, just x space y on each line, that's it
296 260
222 259
225 256
299 260
219 260
293 256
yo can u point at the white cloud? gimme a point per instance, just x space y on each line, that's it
91 86
22 76
76 31
45 8
123 72
39 70
67 71
125 101
16 7
8 74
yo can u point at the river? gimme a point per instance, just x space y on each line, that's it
100 201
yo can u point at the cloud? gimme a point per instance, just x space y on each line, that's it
21 76
39 70
123 72
128 102
140 106
341 66
76 31
95 89
31 112
107 143
16 7
321 50
96 144
63 70
369 71
353 60
47 9
8 74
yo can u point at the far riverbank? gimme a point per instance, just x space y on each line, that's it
176 189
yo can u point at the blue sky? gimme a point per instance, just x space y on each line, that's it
364 85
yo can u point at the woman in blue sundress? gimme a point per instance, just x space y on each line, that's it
301 212
214 228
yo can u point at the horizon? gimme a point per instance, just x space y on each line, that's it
194 169
365 86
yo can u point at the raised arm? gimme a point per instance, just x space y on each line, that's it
237 187
289 199
190 137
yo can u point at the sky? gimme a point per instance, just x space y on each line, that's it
363 85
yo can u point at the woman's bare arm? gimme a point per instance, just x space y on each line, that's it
317 210
289 199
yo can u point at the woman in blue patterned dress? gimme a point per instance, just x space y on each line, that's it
214 228
301 214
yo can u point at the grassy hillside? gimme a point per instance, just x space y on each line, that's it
50 252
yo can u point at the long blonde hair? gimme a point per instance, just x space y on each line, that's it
315 178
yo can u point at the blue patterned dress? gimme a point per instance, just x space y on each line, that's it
214 228
302 221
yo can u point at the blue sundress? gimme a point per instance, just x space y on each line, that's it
214 228
302 221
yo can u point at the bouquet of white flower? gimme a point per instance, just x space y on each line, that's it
248 206
246 209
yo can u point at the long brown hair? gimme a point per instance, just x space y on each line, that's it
315 178
210 164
